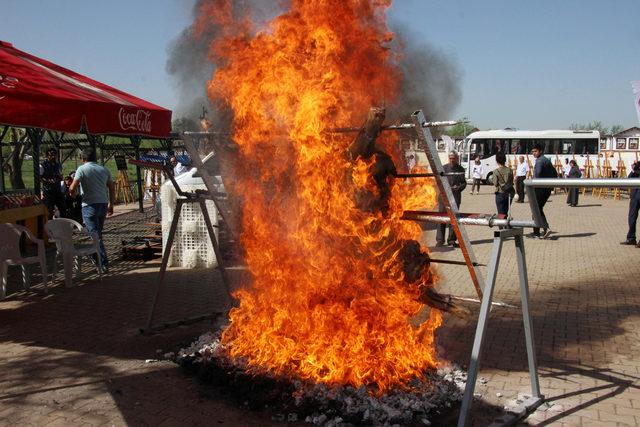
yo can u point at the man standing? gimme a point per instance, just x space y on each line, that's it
476 173
634 207
51 176
521 174
457 183
178 168
542 169
98 194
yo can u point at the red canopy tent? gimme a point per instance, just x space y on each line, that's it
39 95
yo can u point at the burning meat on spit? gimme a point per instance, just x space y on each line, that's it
416 261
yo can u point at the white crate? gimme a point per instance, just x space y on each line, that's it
191 245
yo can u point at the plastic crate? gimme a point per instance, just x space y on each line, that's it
192 244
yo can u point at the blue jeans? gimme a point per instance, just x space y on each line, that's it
94 216
502 203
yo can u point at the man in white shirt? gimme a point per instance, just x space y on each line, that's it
521 174
178 168
476 174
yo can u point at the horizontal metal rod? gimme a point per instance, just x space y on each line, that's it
583 183
453 262
426 175
401 126
487 221
477 301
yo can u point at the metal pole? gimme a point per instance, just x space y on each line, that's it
579 182
192 148
216 249
165 261
481 329
135 140
401 126
526 316
446 195
489 221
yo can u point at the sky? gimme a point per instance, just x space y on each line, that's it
529 64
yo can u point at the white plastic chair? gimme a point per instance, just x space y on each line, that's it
10 236
60 232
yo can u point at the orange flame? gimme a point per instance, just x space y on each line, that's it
328 302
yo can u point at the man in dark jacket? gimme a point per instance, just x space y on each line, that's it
51 176
458 184
542 169
634 207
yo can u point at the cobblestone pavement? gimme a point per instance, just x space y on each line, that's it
75 356
585 308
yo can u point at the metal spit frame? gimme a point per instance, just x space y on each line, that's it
456 219
511 229
199 197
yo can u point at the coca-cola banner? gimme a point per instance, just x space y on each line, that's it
38 93
636 93
135 120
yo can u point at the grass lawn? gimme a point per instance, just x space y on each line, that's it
68 166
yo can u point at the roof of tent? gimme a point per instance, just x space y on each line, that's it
40 94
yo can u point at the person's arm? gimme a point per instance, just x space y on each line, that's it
112 196
73 188
462 181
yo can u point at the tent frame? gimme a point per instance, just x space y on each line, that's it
35 139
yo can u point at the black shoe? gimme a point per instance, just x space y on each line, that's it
454 244
629 242
439 244
533 235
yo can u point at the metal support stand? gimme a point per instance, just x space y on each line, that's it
446 196
200 198
536 398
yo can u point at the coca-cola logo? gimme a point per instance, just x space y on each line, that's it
8 81
139 120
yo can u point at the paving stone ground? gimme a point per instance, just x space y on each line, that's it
76 357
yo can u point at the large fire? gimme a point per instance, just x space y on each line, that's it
328 300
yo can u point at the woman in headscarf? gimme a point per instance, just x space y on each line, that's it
574 172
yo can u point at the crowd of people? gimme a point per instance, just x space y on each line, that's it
86 195
55 190
508 189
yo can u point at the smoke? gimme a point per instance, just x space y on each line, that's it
432 79
188 61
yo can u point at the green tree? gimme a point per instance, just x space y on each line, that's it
616 129
597 125
460 130
18 152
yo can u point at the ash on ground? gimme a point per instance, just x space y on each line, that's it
428 400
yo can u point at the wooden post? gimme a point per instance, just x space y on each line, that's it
558 165
530 172
622 173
